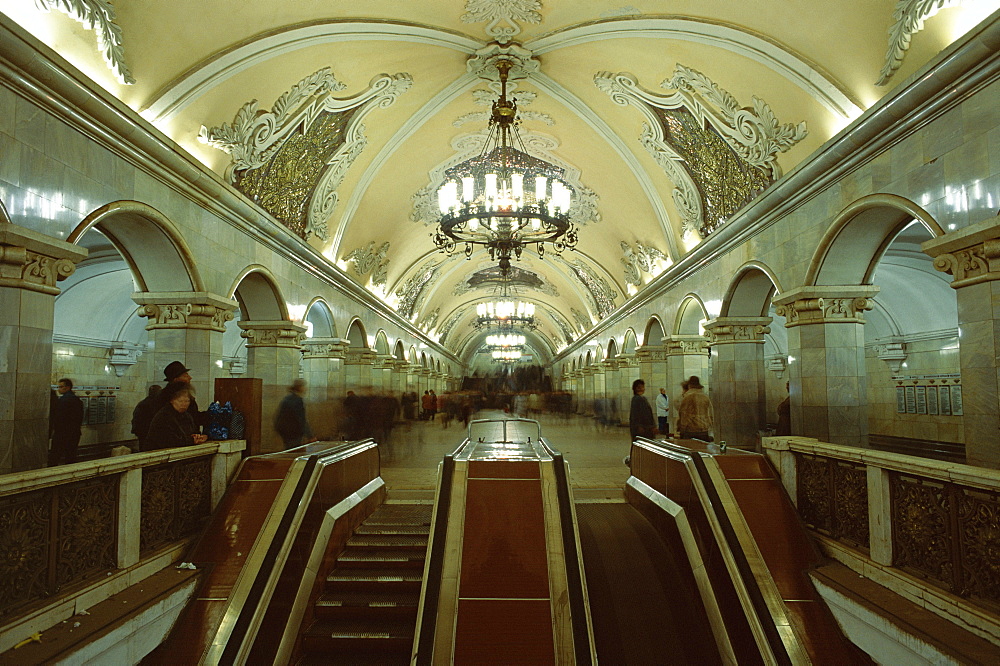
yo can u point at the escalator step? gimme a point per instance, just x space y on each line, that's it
388 540
368 528
369 555
365 575
369 599
402 513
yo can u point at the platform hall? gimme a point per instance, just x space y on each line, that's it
322 328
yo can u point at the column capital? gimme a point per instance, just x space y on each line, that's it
651 353
33 261
324 348
825 304
359 356
737 330
185 309
684 345
272 333
970 255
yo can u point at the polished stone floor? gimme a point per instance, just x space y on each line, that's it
411 456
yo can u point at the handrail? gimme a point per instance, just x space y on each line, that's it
582 641
435 561
745 572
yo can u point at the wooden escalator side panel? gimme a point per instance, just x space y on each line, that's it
789 554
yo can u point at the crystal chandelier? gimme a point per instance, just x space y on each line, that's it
509 199
505 314
505 340
507 356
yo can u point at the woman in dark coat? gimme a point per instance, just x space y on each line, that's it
640 418
173 425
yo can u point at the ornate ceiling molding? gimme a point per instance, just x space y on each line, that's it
502 16
642 259
181 93
753 134
776 57
257 137
488 278
411 293
99 16
564 326
601 294
909 18
368 259
449 324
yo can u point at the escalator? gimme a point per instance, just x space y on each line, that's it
643 597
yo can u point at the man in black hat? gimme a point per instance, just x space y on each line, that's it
175 372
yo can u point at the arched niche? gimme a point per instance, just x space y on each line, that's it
590 358
148 242
653 335
423 360
381 343
256 290
852 246
599 354
690 316
399 351
750 292
630 343
412 356
612 348
319 320
356 336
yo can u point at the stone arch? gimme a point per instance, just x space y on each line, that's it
750 292
599 354
257 292
612 348
319 319
690 315
590 358
630 343
855 241
412 355
399 351
381 343
356 336
149 243
654 333
423 359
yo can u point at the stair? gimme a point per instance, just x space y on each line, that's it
368 609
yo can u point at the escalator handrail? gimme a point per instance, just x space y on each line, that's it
574 572
749 581
435 560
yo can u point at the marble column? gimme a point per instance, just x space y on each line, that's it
652 368
629 370
187 327
827 377
31 264
323 370
274 352
611 391
738 396
397 381
971 256
587 395
358 370
686 355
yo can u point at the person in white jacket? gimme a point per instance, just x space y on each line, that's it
663 411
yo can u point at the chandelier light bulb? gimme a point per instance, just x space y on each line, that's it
540 182
468 188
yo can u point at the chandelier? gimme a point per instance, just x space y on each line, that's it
507 356
505 314
505 340
509 199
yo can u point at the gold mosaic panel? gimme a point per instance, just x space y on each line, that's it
284 186
726 183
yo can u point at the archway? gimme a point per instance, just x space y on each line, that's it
653 335
319 320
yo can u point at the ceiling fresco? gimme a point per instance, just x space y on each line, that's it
341 119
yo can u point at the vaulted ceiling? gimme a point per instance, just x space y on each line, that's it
339 117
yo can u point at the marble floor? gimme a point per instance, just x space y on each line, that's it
410 458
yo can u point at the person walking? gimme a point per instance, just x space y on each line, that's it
663 411
290 421
696 415
640 416
66 421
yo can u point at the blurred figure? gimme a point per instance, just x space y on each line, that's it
640 416
143 414
696 415
663 411
174 425
784 415
290 421
351 416
65 422
425 406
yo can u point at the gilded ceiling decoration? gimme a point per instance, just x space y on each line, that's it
411 294
642 259
431 320
490 279
909 18
565 328
292 159
601 294
487 97
368 259
99 16
449 324
581 319
718 154
502 16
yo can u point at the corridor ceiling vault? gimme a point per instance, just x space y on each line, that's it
339 119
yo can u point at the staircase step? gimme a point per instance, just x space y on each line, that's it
338 636
414 514
414 541
367 579
366 528
388 557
